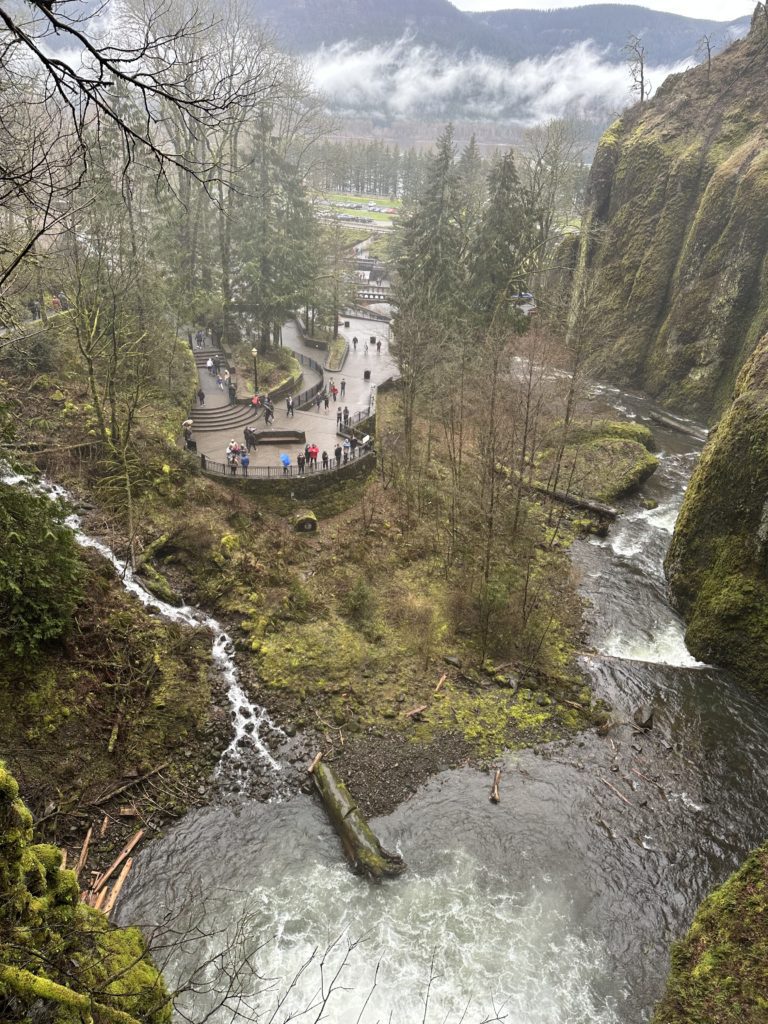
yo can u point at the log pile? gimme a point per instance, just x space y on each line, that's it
99 896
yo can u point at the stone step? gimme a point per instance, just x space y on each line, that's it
224 423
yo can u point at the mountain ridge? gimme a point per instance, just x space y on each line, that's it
308 25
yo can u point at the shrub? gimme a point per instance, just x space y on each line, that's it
359 603
40 571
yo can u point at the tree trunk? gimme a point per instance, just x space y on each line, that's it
363 850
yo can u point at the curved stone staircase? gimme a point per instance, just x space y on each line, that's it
220 417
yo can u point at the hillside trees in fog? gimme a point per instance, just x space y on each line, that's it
368 168
212 125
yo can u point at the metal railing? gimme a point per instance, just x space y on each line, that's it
211 468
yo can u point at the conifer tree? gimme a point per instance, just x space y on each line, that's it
432 247
499 258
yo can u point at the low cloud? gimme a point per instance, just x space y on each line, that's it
404 79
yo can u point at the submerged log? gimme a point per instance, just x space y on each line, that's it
363 850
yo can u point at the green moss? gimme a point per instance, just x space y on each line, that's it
497 720
602 462
580 433
677 235
718 970
54 950
718 560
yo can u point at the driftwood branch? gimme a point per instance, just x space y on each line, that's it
672 424
81 860
128 785
126 850
613 789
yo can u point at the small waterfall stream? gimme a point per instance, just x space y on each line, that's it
249 721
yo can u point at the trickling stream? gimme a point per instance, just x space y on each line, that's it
250 722
557 906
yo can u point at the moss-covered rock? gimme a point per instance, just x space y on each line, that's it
677 233
603 460
718 561
719 973
54 951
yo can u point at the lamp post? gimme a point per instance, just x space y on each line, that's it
255 354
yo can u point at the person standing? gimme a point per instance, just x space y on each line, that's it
378 347
346 447
326 400
353 446
338 418
325 460
354 344
346 415
289 404
337 455
245 462
343 387
232 387
318 401
209 366
201 396
301 459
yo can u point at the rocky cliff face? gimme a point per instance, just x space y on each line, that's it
676 241
718 561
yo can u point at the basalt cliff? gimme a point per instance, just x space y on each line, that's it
675 243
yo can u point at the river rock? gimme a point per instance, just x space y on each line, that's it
451 659
643 716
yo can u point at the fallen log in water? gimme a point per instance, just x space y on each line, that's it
363 850
597 508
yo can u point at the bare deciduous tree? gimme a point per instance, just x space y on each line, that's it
634 52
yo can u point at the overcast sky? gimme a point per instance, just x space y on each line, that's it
720 10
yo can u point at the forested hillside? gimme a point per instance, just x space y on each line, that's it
512 34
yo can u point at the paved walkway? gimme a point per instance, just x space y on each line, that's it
319 427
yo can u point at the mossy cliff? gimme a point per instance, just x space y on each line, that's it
675 243
719 969
718 561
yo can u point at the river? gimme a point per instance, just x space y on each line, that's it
558 906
